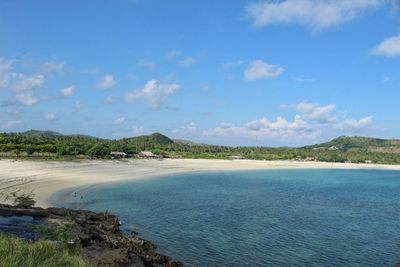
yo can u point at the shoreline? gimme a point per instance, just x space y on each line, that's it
44 179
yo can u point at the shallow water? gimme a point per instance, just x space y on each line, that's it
22 226
263 218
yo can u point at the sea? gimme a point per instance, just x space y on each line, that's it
261 218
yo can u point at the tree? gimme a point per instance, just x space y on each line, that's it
99 151
30 149
24 201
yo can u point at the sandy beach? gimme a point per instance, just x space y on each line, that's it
43 178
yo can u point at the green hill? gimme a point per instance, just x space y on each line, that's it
41 134
52 135
153 139
359 143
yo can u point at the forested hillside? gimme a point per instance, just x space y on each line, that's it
358 143
53 145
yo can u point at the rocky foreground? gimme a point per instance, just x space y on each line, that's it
102 243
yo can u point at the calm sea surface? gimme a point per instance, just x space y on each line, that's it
263 218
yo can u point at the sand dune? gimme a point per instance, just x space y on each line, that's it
43 178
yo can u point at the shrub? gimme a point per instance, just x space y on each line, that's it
16 252
24 201
62 234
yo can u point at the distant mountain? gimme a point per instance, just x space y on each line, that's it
357 143
342 143
52 135
188 142
155 138
37 133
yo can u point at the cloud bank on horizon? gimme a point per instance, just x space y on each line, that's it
288 72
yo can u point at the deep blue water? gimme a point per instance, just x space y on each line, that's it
264 218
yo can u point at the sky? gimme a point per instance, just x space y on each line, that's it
265 73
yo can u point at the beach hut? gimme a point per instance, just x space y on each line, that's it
117 154
147 155
236 157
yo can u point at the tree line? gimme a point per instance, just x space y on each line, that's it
61 146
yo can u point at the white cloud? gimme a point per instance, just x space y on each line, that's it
152 93
119 121
316 112
147 64
10 124
389 47
185 130
21 82
312 121
50 116
17 82
187 61
263 129
5 64
68 91
181 59
5 67
137 130
258 69
26 98
316 14
360 125
173 54
110 99
52 66
106 82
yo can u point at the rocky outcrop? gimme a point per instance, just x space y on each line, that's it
100 236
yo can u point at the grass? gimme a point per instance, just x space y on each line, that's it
17 252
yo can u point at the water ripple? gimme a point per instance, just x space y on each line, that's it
265 218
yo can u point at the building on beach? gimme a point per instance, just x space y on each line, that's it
147 155
118 155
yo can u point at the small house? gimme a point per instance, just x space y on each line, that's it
117 155
147 155
236 157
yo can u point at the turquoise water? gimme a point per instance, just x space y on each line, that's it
264 218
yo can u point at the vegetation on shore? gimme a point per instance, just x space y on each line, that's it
57 244
65 237
52 145
16 252
24 200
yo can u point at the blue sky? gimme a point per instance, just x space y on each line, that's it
268 73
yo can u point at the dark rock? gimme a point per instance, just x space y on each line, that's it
100 237
98 256
7 210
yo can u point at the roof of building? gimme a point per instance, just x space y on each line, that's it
117 153
147 153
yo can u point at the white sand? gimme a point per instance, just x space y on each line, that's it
43 179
